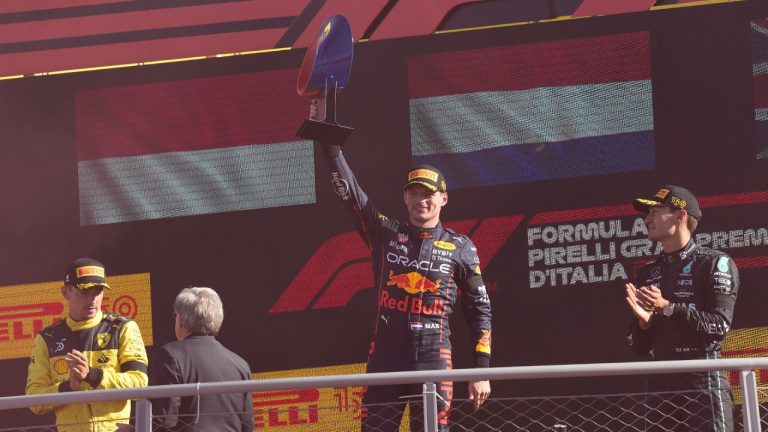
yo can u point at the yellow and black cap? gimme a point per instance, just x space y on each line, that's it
428 176
672 196
85 273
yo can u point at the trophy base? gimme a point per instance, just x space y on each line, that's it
324 132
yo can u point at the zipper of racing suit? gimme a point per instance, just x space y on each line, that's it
432 233
414 341
88 350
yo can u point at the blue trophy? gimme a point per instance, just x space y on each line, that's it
325 72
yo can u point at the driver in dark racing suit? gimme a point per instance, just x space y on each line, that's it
419 269
684 308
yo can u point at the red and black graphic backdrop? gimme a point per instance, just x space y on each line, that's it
190 173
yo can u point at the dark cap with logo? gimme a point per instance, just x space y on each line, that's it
428 176
672 196
85 273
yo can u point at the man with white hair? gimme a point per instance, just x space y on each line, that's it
198 357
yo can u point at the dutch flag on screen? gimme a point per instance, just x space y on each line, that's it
531 112
760 79
192 147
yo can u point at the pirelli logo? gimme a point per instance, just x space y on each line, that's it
312 409
422 173
29 308
746 343
90 271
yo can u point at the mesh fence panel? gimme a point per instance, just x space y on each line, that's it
762 396
763 409
208 421
688 411
113 425
580 413
595 413
386 417
307 418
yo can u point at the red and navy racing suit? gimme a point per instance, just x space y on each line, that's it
701 284
418 273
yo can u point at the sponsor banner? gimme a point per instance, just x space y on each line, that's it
504 115
760 79
342 266
587 252
607 244
571 247
746 343
312 409
27 309
192 147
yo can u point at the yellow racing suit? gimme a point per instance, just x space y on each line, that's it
117 359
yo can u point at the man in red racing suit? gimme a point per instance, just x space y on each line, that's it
419 268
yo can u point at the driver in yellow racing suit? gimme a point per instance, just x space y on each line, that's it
89 350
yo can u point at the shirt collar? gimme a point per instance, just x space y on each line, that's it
86 324
425 233
679 255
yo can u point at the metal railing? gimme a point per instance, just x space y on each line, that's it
750 408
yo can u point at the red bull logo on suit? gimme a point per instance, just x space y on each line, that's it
413 282
413 304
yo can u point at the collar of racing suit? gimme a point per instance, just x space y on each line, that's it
424 233
679 255
86 324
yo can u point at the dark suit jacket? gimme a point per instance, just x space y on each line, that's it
200 358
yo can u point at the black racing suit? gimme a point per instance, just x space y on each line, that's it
701 284
418 273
